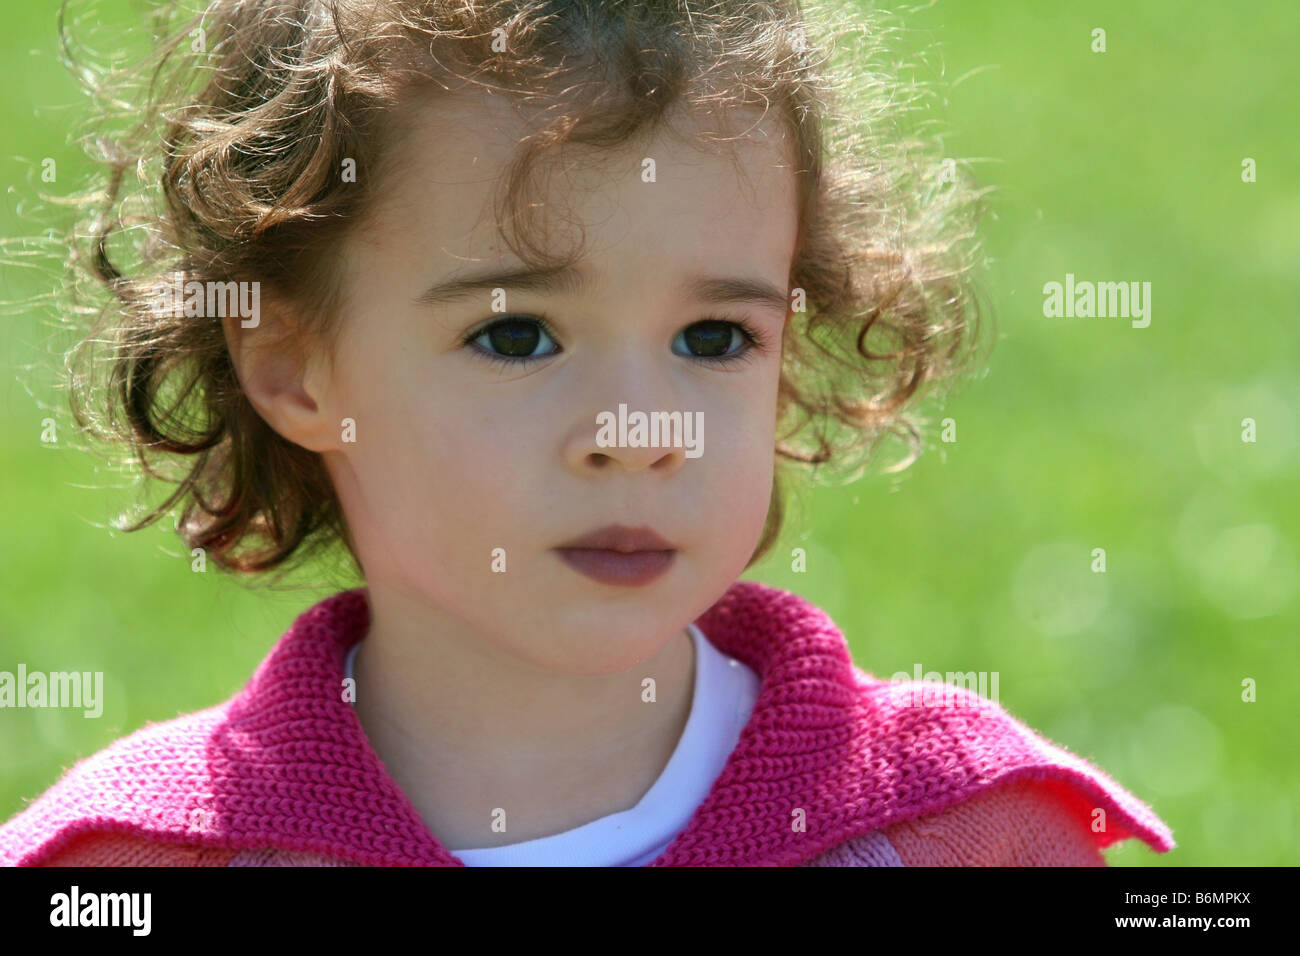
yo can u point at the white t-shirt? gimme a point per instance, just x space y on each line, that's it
723 699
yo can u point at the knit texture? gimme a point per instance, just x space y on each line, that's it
1025 822
1022 823
874 849
830 754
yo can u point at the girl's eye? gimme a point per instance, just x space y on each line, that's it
514 340
712 341
511 341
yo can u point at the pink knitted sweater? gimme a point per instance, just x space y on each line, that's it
834 768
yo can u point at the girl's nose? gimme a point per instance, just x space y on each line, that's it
597 448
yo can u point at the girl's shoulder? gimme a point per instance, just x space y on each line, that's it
977 786
150 798
1024 822
900 751
158 775
1020 823
96 848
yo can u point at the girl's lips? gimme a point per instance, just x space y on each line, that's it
619 537
627 568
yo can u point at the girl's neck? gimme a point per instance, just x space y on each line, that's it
468 731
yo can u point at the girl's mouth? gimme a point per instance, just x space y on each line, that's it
626 568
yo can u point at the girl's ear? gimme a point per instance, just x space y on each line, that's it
281 376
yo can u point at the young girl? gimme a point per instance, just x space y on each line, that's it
519 303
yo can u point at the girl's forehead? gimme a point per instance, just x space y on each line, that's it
450 155
469 136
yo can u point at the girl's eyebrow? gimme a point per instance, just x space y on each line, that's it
568 279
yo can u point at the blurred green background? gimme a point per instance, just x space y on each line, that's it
1085 433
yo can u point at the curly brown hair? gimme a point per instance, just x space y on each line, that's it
247 111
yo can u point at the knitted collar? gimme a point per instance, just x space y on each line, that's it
829 753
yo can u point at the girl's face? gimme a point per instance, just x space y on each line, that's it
468 458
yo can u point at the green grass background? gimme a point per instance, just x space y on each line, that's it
1085 433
